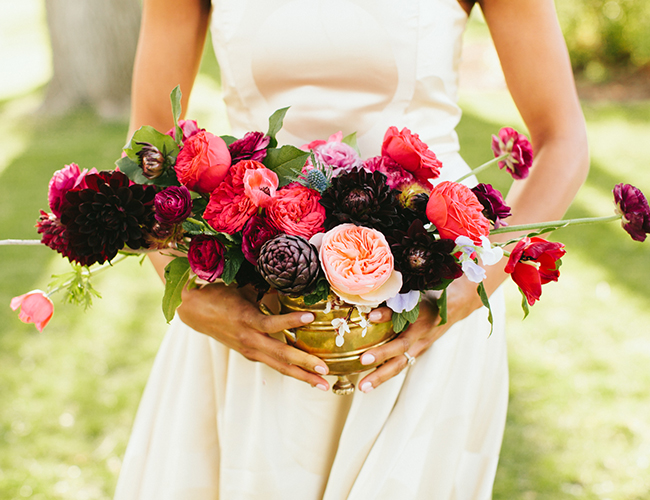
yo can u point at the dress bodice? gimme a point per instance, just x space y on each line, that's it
351 65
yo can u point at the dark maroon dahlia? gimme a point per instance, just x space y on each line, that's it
289 264
632 205
250 147
494 208
53 233
425 263
362 198
107 216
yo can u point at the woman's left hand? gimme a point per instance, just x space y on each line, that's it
462 300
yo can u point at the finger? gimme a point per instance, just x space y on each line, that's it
285 354
394 348
278 322
380 315
385 372
295 372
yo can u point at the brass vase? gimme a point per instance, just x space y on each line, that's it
319 337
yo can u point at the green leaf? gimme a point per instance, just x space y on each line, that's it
192 228
275 125
228 139
442 307
412 315
400 323
351 140
484 298
287 162
524 304
163 142
177 272
199 205
132 170
234 259
175 97
320 292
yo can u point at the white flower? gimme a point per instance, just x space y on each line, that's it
364 324
328 307
473 271
341 326
489 255
363 309
404 301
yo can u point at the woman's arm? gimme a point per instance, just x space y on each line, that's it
536 65
170 46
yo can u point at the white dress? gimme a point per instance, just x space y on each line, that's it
213 425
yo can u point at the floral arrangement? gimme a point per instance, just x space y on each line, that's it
317 222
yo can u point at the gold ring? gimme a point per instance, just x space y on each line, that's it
410 359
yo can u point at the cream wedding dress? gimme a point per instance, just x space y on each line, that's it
213 425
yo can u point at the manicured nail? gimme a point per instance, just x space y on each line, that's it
307 318
322 387
367 359
320 369
374 316
366 387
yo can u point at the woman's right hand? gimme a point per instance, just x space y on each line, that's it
231 316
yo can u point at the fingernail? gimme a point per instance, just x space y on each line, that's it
322 387
366 387
320 369
374 316
367 359
307 318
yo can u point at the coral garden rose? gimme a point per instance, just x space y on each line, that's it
296 210
173 205
632 205
35 307
206 255
229 207
406 149
359 265
203 162
456 211
533 263
519 151
260 185
68 178
188 127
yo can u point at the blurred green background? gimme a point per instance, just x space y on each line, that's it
578 422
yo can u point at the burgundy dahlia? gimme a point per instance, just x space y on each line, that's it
53 233
289 264
107 216
207 257
519 151
494 208
256 232
250 147
361 198
173 205
425 263
633 206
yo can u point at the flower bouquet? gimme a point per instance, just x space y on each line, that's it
327 230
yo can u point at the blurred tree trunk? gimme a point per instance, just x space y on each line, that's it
93 47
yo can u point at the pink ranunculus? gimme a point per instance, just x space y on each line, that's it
456 211
359 265
68 178
338 155
260 185
35 307
519 151
406 149
203 162
396 176
296 210
189 128
229 208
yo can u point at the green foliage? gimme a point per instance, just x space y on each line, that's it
175 98
320 292
234 260
177 273
402 320
275 125
287 162
484 300
130 165
77 286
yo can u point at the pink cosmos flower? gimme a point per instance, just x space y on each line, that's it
406 149
35 307
68 178
260 185
359 265
519 149
296 210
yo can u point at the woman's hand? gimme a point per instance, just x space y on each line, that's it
462 300
231 316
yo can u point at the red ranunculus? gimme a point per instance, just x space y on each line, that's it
406 149
533 263
207 257
203 162
35 307
256 232
296 210
455 211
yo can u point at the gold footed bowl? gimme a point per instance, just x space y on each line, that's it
319 337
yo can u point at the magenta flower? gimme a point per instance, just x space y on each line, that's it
68 178
173 205
256 232
335 153
250 147
519 151
632 205
207 257
494 208
189 128
396 176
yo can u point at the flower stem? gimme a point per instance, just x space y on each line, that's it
194 221
20 242
555 224
485 166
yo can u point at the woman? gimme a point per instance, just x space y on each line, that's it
236 417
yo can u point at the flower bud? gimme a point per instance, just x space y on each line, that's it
151 160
